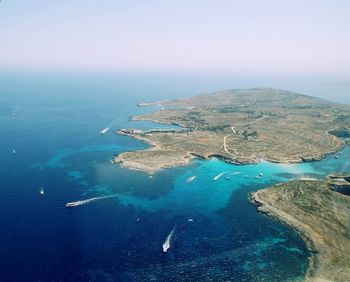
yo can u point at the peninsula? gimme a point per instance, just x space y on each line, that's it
320 212
240 126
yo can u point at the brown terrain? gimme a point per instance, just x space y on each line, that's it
246 126
240 126
322 217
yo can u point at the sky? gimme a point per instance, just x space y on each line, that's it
275 36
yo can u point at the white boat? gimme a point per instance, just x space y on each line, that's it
167 242
190 179
13 151
103 131
84 202
42 191
218 176
74 204
260 173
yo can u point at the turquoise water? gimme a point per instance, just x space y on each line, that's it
206 195
217 235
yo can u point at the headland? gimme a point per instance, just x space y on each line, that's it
240 126
321 215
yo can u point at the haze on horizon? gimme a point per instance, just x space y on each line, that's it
238 36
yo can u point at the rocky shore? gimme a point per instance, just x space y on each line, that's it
322 217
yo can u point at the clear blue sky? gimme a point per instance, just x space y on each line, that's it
310 36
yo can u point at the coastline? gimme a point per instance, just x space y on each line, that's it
168 149
322 236
141 118
239 126
264 208
125 158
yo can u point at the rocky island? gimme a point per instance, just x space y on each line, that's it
240 126
320 211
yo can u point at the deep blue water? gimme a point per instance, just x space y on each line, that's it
218 235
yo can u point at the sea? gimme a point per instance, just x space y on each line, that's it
50 140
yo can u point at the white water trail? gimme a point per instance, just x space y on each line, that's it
115 122
191 179
219 175
104 130
87 201
167 243
110 125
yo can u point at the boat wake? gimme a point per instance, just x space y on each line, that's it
168 240
87 201
222 173
191 179
105 130
219 175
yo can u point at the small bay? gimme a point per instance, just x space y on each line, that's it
217 234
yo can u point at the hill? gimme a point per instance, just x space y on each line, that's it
241 126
